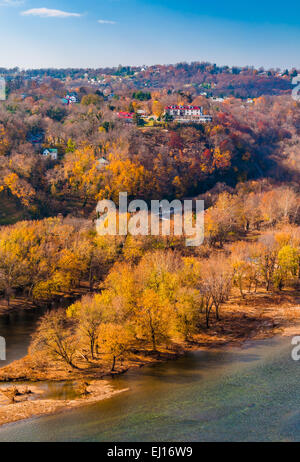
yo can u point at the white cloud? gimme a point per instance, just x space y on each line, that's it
105 21
48 13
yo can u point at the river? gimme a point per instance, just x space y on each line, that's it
16 327
236 394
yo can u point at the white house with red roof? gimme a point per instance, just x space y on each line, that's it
177 111
187 113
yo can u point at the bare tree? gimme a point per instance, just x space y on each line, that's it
217 281
55 337
89 313
12 272
268 252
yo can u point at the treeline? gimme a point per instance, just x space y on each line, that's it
44 258
165 298
251 207
41 259
236 81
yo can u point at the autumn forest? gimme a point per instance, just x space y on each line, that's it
134 298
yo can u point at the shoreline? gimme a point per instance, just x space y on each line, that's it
241 322
26 409
22 302
99 389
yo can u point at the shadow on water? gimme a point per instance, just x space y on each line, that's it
193 366
17 328
237 394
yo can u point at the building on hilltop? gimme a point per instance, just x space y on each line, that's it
187 114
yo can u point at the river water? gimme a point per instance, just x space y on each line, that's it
238 394
16 327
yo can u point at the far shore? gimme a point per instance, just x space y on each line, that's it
17 303
22 302
256 317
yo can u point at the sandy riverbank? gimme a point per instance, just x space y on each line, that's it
25 408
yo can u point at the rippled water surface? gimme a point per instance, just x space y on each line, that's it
241 394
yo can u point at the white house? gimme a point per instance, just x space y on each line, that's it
72 97
179 111
50 153
188 114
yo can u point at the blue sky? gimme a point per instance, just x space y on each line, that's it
97 33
